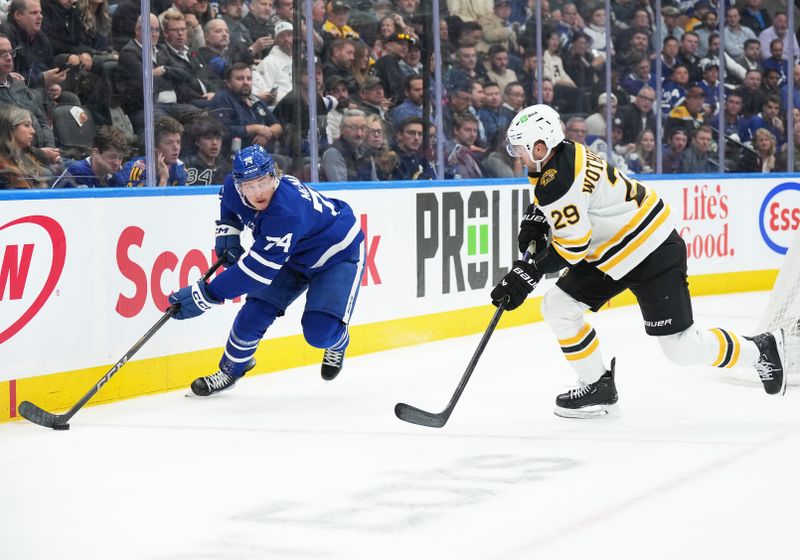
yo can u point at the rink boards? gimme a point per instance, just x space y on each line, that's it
84 274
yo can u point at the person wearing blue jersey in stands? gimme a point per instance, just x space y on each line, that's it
101 169
303 241
170 169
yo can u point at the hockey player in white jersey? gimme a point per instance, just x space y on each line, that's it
303 241
610 233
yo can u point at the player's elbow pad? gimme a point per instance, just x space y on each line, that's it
549 260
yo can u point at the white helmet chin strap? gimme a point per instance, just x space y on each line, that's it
538 162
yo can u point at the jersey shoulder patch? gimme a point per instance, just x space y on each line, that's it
557 176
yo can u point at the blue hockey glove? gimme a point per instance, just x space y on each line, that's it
192 301
516 285
533 229
228 245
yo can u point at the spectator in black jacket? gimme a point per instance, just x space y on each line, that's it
411 165
62 24
388 67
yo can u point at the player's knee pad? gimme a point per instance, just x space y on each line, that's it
561 311
684 348
322 330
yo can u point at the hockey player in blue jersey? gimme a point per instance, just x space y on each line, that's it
302 241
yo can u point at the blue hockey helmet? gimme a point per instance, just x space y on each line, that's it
252 162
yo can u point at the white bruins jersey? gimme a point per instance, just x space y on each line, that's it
598 214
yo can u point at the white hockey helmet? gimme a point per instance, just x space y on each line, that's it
533 124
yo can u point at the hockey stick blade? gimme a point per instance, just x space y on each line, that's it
414 415
37 415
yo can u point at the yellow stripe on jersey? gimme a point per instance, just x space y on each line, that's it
569 256
580 158
631 247
577 338
585 353
638 218
564 242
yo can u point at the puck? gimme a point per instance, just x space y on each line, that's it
61 426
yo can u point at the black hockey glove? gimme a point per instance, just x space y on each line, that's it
533 228
516 285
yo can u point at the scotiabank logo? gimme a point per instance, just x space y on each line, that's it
33 249
779 217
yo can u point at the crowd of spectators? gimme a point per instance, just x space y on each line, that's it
223 77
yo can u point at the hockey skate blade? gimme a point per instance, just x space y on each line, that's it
589 412
414 415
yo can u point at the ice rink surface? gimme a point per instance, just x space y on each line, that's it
288 466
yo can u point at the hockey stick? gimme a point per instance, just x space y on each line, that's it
414 415
38 415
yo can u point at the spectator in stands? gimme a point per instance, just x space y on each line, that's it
639 76
674 89
21 165
776 62
671 156
335 25
494 119
669 57
689 114
361 65
342 54
734 72
197 16
596 122
710 86
95 27
412 104
643 158
276 67
513 100
498 70
576 130
698 157
284 11
206 164
770 82
687 54
239 34
411 164
596 29
640 24
388 70
371 98
768 119
785 90
696 14
639 115
33 58
751 57
459 99
637 48
586 69
242 114
778 30
192 81
553 68
169 168
258 20
783 157
497 30
123 22
708 26
471 35
570 24
13 91
214 54
336 87
61 23
462 155
102 167
347 159
736 35
499 163
751 93
383 158
599 145
466 68
412 61
763 158
670 26
755 17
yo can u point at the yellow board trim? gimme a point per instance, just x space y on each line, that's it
59 391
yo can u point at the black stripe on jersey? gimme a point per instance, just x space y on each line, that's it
611 173
590 336
564 165
571 249
728 348
657 209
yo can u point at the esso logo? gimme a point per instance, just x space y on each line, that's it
779 217
32 254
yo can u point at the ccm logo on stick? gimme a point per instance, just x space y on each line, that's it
779 217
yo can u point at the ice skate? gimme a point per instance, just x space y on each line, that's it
590 400
770 363
220 381
332 362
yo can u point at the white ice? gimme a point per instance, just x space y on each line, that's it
287 466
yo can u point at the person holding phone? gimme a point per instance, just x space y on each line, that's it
276 68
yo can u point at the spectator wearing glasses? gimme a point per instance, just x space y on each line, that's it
411 164
639 115
576 130
383 158
459 100
347 159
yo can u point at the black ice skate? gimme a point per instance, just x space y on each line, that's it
220 381
590 400
770 363
332 362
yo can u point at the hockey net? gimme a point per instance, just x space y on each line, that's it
782 311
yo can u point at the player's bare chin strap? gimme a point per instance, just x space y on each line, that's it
708 347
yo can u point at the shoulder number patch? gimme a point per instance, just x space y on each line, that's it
547 177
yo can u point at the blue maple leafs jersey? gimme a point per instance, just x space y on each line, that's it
300 228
